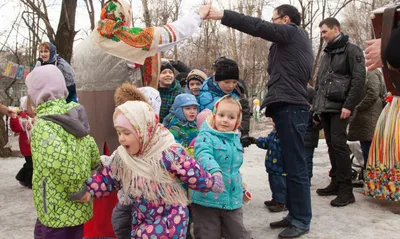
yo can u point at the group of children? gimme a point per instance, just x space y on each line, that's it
201 150
197 147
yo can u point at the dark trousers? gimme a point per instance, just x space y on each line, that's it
277 183
291 124
43 232
308 156
335 130
25 173
214 223
365 145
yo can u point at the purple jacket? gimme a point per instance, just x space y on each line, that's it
158 219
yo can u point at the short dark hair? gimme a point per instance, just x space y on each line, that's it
330 22
290 11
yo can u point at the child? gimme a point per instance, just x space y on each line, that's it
48 55
195 80
181 123
22 124
146 168
218 148
168 87
63 156
225 81
274 167
199 121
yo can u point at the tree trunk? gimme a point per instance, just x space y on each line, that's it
66 29
146 13
4 152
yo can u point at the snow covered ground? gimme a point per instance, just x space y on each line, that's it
367 218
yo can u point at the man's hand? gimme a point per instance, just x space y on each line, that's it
373 54
345 113
204 10
214 14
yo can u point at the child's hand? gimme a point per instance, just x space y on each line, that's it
218 183
86 198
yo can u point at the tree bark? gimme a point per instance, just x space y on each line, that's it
146 13
66 29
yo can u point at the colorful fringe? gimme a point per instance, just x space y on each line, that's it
382 178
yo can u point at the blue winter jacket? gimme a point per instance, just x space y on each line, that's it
211 93
219 151
273 159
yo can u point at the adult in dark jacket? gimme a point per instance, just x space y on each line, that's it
340 81
290 65
312 135
366 114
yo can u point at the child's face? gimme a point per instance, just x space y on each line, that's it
194 87
166 78
190 112
44 53
128 140
227 86
227 116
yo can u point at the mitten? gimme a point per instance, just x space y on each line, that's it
246 141
218 183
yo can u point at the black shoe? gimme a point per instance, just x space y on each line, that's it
277 208
343 199
270 203
332 189
292 232
280 224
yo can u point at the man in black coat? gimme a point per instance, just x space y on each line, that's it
340 81
290 65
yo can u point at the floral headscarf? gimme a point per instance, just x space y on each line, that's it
144 174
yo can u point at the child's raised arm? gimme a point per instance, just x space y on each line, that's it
180 164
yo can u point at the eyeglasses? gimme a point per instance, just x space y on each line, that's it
276 18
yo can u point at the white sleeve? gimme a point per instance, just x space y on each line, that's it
173 33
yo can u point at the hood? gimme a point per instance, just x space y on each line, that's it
128 92
206 127
73 121
211 85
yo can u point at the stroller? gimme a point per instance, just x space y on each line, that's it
357 162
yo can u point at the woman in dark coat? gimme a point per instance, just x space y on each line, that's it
363 122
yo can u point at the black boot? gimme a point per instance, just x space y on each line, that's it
332 189
343 199
292 232
280 224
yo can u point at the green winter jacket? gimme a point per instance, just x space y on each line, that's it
63 156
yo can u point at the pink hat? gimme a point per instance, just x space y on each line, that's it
120 120
202 116
46 83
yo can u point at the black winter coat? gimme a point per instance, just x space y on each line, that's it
312 134
290 58
348 61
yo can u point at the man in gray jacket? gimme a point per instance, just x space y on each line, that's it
290 65
340 82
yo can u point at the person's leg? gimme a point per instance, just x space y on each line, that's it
332 188
277 184
291 124
121 220
207 222
43 232
232 225
28 171
278 187
308 156
365 145
342 154
22 173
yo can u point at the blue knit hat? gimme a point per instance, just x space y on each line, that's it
181 101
